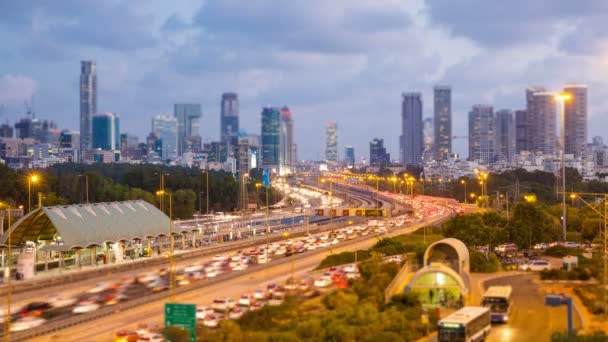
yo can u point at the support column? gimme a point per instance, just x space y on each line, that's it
149 247
193 239
183 241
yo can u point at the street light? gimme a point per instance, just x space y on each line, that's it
161 194
9 288
464 182
563 97
32 179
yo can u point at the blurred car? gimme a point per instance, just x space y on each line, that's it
323 282
34 309
236 313
541 246
99 287
126 336
223 304
535 265
350 268
60 301
85 306
211 321
260 294
26 323
203 311
246 300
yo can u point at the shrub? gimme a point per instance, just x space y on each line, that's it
479 262
560 251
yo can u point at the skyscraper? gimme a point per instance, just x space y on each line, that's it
575 120
331 142
229 122
521 128
188 127
349 156
481 134
165 128
287 157
106 131
88 103
377 153
541 120
504 133
411 140
427 133
442 108
270 138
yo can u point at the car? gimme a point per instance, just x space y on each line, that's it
260 294
277 299
257 305
240 267
193 268
26 323
85 306
323 282
34 309
223 304
246 300
126 336
352 268
211 321
571 244
236 313
535 265
160 285
212 273
541 246
203 311
99 287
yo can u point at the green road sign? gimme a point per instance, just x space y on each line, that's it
183 316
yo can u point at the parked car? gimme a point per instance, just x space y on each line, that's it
535 265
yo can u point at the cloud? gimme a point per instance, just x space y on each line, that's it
14 89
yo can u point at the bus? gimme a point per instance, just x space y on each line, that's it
469 324
498 300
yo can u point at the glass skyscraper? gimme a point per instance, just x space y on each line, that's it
270 138
349 156
165 128
229 122
331 142
287 157
106 131
411 140
88 103
188 117
442 119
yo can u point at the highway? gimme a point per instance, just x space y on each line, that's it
530 319
152 313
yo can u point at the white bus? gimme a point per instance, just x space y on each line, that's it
498 300
469 324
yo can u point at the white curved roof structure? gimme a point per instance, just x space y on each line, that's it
457 247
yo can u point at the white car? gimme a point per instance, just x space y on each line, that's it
60 301
193 268
99 287
259 294
85 306
350 268
223 304
211 321
246 300
240 267
203 311
535 265
26 323
323 282
236 313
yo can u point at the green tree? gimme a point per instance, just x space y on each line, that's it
183 203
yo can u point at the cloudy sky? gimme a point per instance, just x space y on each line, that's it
342 60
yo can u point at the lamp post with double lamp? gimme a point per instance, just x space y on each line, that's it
331 209
31 179
9 288
563 97
377 179
161 194
206 191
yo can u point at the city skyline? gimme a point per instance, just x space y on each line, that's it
138 82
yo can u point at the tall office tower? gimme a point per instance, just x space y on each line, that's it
481 134
229 122
165 128
521 127
106 131
331 142
349 156
243 162
188 116
6 131
541 120
287 158
575 120
88 103
128 140
411 142
504 133
377 153
442 120
271 118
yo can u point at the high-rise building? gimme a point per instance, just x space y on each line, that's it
575 119
504 133
69 139
349 156
106 131
377 153
88 103
188 117
229 122
128 140
427 133
287 157
331 142
411 142
6 131
442 120
521 128
165 128
481 134
271 118
541 120
244 160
